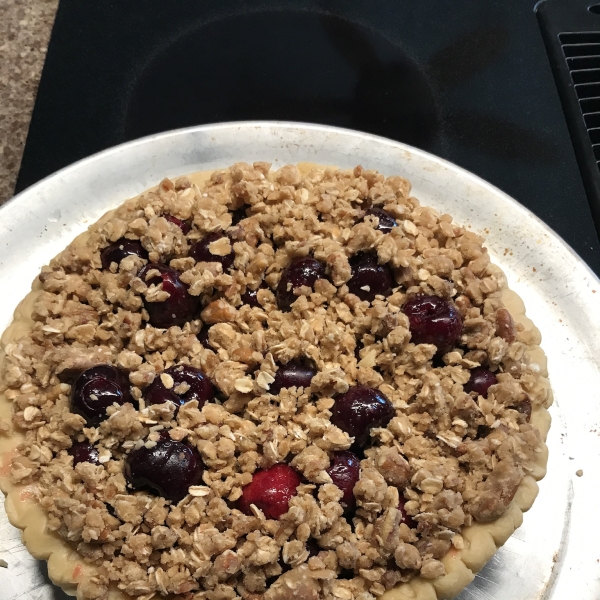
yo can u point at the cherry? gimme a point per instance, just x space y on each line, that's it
179 307
96 389
433 320
300 272
200 251
406 518
270 490
183 225
369 278
200 387
84 452
359 410
168 468
482 432
386 221
238 215
250 297
480 381
293 374
116 252
345 472
203 338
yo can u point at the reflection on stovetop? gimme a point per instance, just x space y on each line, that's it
325 69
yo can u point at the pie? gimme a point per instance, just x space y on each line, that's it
280 384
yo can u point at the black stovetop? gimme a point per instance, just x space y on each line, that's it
468 80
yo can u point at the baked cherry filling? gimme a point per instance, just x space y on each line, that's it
313 547
345 472
116 252
359 410
369 278
183 225
293 374
433 320
168 468
98 388
406 518
300 272
200 251
270 490
250 297
238 215
480 381
180 384
203 338
84 452
386 221
179 307
524 407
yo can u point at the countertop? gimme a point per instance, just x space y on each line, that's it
25 32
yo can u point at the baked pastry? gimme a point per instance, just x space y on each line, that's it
291 384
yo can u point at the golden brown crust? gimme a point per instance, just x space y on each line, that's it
514 346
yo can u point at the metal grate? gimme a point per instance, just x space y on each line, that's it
571 33
582 53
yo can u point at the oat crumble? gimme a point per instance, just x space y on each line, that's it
450 457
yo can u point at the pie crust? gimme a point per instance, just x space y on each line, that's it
480 540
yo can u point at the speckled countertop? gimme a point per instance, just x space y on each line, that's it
25 27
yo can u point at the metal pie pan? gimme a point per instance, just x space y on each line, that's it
555 553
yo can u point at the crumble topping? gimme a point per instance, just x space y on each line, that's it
446 459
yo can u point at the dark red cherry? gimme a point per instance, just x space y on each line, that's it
84 452
406 518
300 272
238 215
203 338
345 472
199 387
386 221
270 491
200 251
168 468
293 374
480 381
116 252
183 225
98 388
433 320
359 410
179 308
250 297
369 278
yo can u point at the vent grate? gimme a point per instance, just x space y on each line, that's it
582 53
571 32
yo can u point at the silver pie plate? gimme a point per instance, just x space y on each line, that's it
556 552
